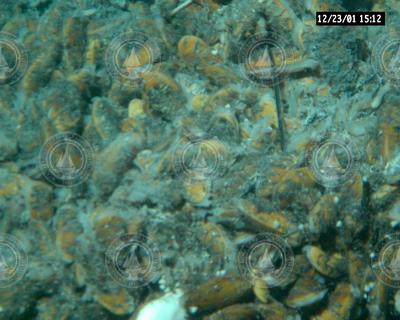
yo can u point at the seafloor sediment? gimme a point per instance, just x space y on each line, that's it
202 159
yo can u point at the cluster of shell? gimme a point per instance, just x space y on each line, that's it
199 221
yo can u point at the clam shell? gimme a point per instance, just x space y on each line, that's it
323 216
340 304
192 48
39 72
114 160
216 294
236 312
118 302
74 41
306 291
332 265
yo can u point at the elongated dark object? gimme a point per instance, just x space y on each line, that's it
180 7
365 196
278 100
293 70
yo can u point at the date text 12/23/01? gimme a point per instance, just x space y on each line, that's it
350 18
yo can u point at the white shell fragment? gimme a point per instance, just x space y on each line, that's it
167 307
